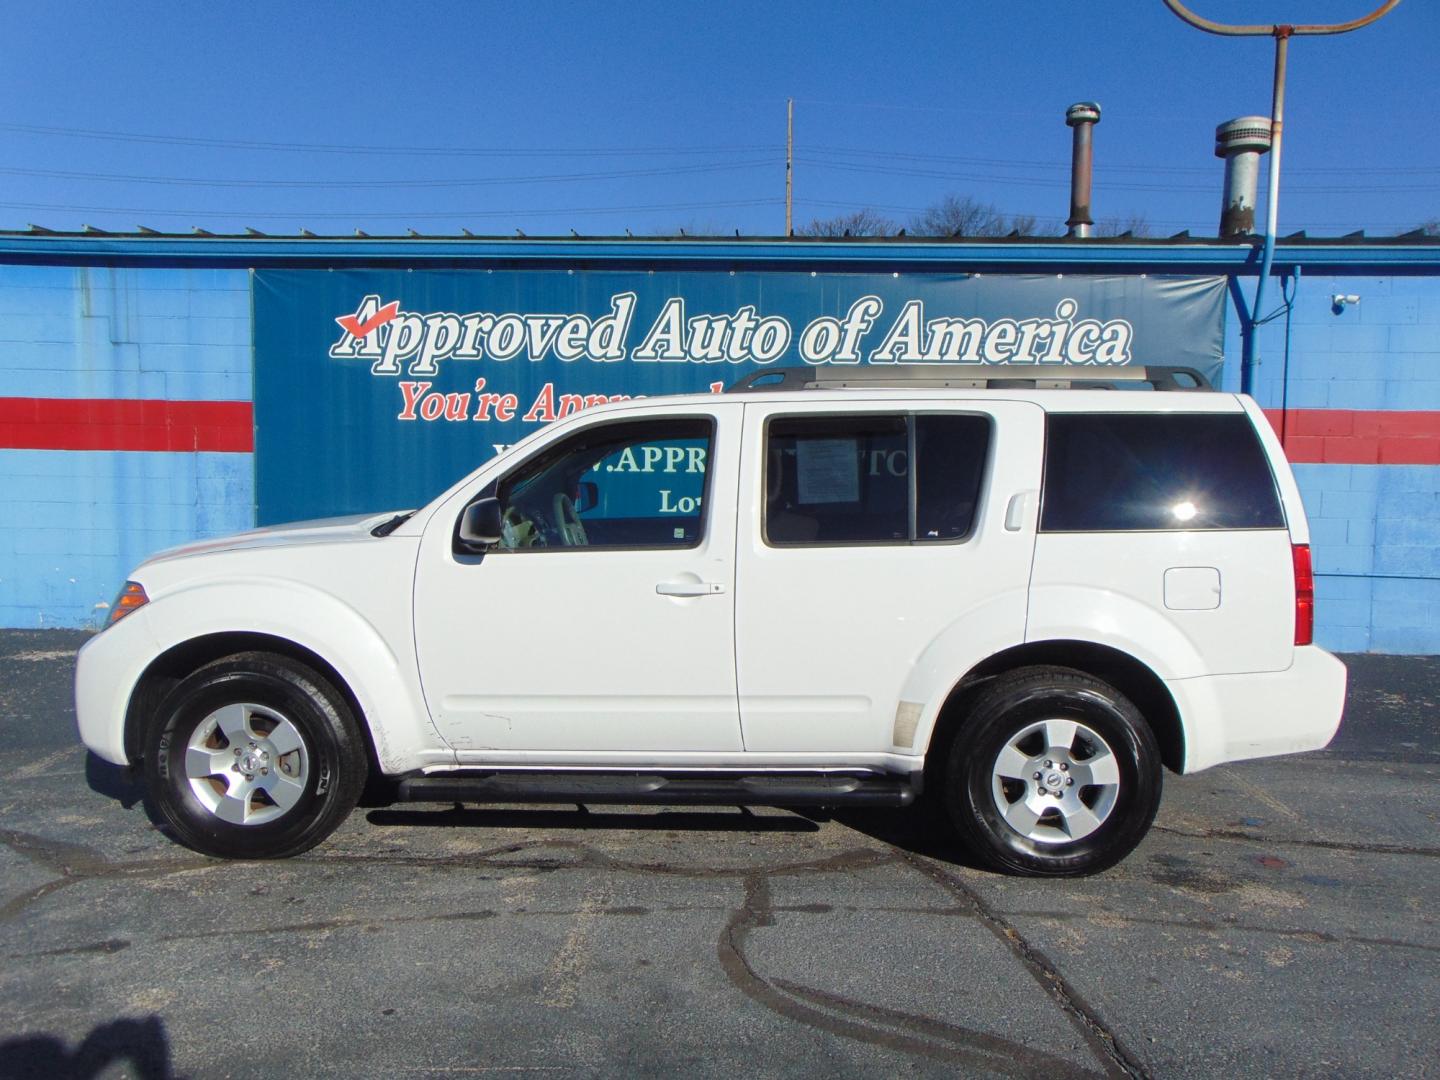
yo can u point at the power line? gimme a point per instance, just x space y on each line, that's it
387 215
1054 182
891 155
656 151
603 210
974 178
1112 185
408 151
543 178
1379 226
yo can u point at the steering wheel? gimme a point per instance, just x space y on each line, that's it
567 521
518 531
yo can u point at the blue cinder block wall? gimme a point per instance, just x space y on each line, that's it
1375 527
73 523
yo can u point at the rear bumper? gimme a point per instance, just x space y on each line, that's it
1235 717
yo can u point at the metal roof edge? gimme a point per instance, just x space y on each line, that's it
908 253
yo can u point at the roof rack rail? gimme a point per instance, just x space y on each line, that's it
953 376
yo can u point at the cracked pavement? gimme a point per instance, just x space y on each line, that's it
1279 920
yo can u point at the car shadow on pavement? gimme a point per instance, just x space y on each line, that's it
142 1043
125 786
911 830
736 819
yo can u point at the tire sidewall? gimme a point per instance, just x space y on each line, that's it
305 704
1003 714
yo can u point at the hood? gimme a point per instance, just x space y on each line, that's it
355 527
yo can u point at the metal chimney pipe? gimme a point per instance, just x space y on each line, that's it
1082 118
1241 142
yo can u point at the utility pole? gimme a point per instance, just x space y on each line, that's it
1282 33
789 165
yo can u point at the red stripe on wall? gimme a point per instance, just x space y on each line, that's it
1359 437
1311 436
126 424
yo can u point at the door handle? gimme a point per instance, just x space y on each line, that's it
689 588
1016 511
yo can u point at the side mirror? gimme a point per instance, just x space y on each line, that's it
587 496
480 526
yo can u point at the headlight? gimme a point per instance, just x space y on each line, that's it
132 596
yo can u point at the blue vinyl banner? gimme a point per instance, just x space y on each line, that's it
376 389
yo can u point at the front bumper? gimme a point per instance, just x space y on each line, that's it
106 671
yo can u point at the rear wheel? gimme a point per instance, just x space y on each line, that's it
254 756
1053 773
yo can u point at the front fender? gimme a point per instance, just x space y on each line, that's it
383 685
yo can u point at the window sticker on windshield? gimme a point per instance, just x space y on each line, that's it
827 470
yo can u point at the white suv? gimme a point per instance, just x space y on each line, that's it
1023 598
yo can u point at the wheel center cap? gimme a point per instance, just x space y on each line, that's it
1053 780
252 762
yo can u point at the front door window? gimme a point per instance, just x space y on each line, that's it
630 485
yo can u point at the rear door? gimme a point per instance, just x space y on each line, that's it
870 529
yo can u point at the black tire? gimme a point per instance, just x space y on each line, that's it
333 767
1010 705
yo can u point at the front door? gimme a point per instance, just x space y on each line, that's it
604 620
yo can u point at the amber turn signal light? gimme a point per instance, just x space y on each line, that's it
132 596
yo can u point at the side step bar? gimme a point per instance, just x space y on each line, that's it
813 789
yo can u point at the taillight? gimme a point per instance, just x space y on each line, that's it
1304 595
132 596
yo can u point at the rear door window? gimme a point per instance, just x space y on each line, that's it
1118 472
868 479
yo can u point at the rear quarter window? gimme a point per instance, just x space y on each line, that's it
1119 472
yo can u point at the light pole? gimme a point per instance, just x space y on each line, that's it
1282 33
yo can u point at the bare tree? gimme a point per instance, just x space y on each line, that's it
1025 224
964 215
959 215
1134 224
864 222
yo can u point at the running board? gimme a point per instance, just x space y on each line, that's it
823 789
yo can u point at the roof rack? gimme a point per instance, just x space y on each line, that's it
952 376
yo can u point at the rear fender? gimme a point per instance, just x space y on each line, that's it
1084 617
1076 613
975 635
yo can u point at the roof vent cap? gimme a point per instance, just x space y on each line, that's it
1244 134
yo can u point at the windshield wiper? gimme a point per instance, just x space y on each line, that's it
385 528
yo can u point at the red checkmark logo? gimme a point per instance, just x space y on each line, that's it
351 325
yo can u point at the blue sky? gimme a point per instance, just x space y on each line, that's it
653 116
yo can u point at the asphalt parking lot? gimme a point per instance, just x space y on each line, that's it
1280 920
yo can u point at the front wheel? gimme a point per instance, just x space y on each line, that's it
254 757
1053 773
